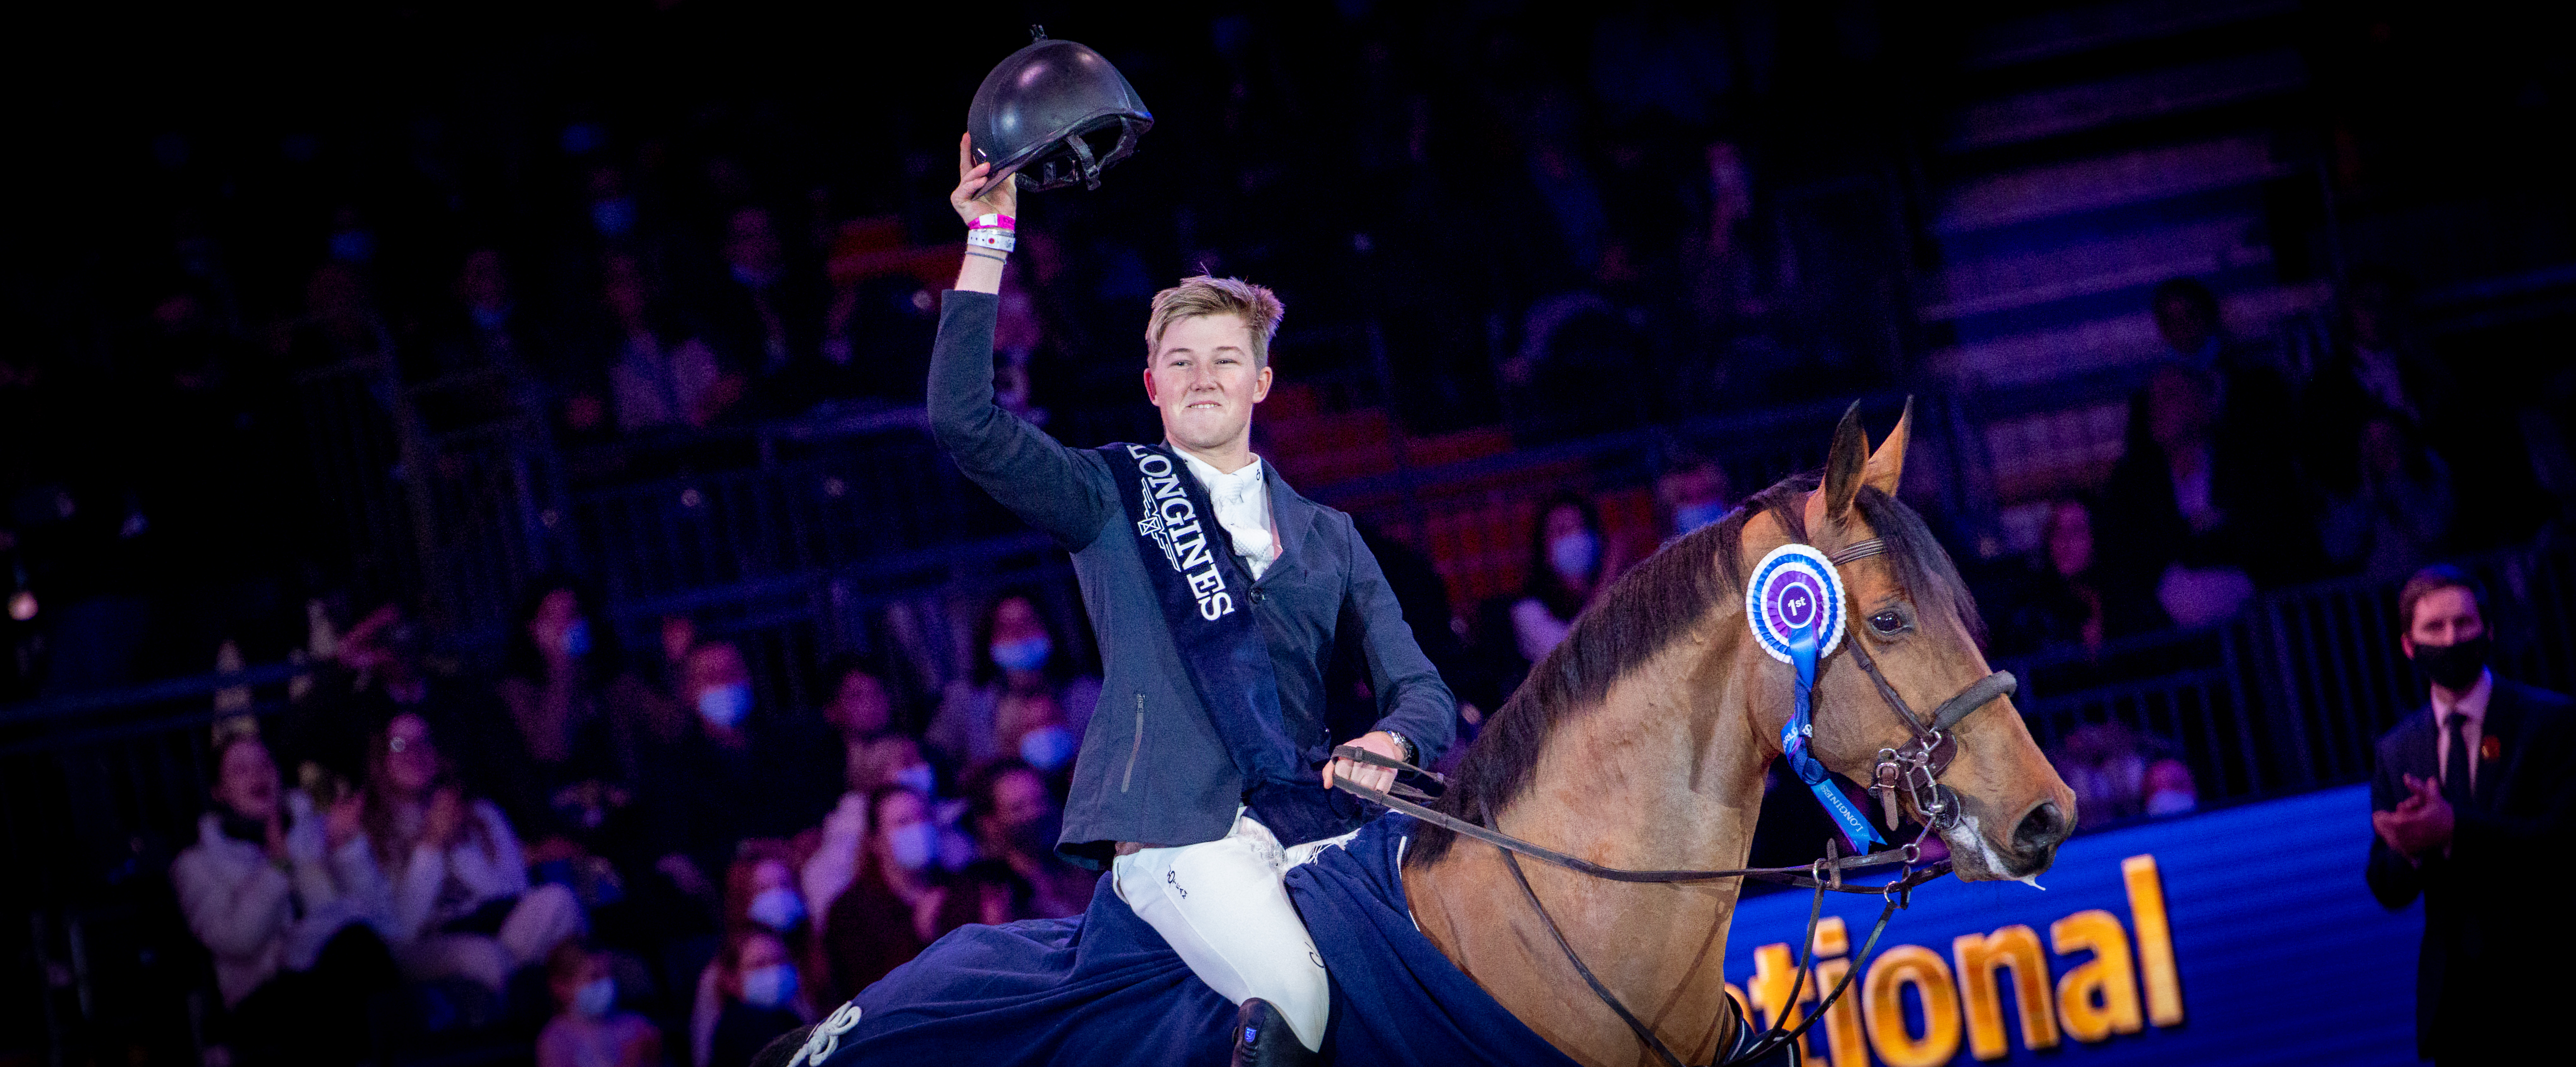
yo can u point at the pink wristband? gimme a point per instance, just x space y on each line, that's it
988 221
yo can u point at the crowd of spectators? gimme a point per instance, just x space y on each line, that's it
1564 224
619 858
640 270
2241 473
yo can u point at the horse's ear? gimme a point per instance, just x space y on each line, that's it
1844 464
1887 464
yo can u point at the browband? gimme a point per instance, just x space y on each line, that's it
1859 550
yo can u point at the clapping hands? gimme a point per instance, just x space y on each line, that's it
2421 824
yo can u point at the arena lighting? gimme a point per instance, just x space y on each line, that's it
22 606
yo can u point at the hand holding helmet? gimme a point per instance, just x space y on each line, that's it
976 197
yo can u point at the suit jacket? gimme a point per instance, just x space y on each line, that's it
1152 767
2486 936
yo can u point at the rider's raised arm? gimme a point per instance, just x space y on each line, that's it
1048 485
1411 698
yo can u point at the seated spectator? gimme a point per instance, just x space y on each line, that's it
2376 371
293 960
1692 492
2064 600
1566 570
766 314
761 894
586 728
2117 774
588 1029
2253 397
1016 818
762 311
887 759
761 998
899 901
2188 520
892 759
445 871
862 708
1025 697
2391 512
388 673
740 770
659 377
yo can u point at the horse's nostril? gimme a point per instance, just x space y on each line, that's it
2043 827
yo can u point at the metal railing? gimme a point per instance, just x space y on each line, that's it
2295 693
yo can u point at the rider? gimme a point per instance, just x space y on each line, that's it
1196 781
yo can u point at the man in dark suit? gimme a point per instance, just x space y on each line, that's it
2471 805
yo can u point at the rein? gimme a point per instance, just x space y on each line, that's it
1913 768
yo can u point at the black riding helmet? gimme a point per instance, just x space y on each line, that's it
1055 113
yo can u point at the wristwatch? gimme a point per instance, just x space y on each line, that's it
1405 743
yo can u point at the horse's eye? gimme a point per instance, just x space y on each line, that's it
1890 622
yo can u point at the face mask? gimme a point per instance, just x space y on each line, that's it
725 705
613 216
576 638
1026 654
920 778
914 845
778 909
353 246
1035 837
2454 666
1047 747
595 998
768 987
1574 554
1689 517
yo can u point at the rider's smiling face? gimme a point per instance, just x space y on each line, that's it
1204 379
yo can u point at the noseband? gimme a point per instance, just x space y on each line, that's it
1912 770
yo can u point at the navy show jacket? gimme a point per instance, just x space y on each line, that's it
1152 768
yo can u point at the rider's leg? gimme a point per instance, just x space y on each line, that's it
1222 907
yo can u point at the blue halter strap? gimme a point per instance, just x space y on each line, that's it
1801 728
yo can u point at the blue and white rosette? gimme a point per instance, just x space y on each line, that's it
1794 604
1795 587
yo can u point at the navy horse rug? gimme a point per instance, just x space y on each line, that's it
1105 988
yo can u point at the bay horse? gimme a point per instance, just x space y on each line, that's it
1643 741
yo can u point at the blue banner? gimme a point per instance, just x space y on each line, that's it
2237 936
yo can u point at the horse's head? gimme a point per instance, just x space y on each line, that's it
1914 620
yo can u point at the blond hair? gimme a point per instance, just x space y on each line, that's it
1257 306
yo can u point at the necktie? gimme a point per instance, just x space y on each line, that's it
2455 773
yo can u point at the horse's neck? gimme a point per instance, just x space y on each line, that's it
1667 773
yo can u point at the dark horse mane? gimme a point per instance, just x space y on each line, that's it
1646 610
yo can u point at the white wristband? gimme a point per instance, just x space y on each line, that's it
992 237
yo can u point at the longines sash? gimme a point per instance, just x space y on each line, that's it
1207 601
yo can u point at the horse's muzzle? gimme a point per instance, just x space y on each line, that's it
2036 837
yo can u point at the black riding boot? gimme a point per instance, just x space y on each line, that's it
1263 1039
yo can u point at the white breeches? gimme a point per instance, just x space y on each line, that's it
1222 907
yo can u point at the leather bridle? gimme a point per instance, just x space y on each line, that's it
1912 769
